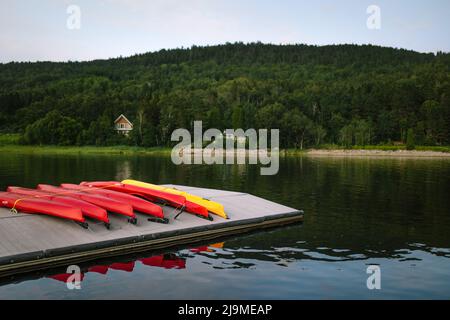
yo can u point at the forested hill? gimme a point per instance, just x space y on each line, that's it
343 94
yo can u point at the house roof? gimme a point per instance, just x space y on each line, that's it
125 118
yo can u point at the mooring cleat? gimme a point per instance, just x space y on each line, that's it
133 221
209 217
84 225
159 220
165 220
108 226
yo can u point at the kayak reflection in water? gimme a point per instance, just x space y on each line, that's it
166 261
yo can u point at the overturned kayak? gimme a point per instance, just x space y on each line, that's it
173 200
211 206
87 209
100 201
23 204
138 204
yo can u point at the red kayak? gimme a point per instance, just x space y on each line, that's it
87 209
39 206
138 204
153 195
100 201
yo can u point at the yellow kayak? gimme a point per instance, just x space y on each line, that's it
213 207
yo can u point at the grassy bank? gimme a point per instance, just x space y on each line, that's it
10 143
116 150
128 150
9 139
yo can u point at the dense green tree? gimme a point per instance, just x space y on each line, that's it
269 116
298 127
237 118
435 122
362 132
346 136
319 134
410 140
345 94
53 129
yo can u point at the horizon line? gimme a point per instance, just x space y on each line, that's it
222 44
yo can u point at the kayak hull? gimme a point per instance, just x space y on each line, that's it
212 206
138 204
39 206
100 201
152 195
87 209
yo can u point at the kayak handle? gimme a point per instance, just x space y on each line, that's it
179 213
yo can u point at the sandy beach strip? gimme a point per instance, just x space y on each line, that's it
379 153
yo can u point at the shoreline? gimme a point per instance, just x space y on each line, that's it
377 153
128 150
87 150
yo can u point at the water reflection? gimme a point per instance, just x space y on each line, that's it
123 171
64 277
165 261
393 212
250 252
294 268
229 256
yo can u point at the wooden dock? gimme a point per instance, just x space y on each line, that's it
31 242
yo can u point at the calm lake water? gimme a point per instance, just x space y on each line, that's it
394 213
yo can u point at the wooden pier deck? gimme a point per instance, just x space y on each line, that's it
30 242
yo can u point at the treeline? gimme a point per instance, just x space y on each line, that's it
345 94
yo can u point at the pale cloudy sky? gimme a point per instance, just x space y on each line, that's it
32 30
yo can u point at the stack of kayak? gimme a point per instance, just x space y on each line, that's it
96 200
